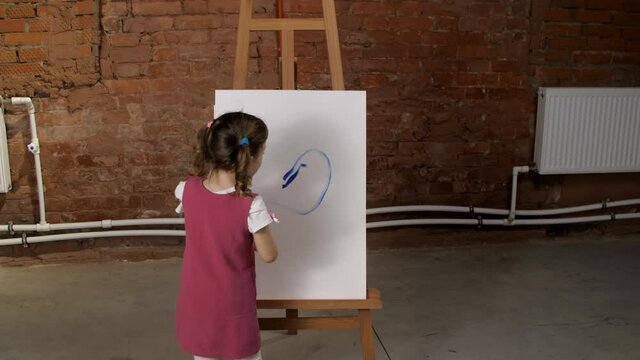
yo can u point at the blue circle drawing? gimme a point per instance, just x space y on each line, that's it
292 174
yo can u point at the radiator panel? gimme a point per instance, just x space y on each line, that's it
588 130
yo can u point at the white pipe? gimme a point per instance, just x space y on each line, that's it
492 211
34 148
436 208
91 235
372 225
514 189
158 221
105 224
503 222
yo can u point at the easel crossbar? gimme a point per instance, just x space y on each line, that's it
305 323
286 24
372 301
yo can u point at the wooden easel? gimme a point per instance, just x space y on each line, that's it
292 323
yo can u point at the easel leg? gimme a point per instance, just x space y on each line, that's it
288 69
366 336
242 45
333 44
292 314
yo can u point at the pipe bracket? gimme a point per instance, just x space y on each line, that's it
25 243
10 228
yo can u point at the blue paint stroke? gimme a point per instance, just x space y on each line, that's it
290 175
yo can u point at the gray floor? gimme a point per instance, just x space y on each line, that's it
571 300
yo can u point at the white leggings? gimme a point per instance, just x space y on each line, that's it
257 356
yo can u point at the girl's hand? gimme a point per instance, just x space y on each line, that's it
264 245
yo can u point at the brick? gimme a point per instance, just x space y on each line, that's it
439 38
224 6
628 58
633 46
87 66
570 4
111 24
32 55
627 19
157 8
85 22
559 15
371 8
84 7
41 24
7 56
631 6
595 76
3 12
549 73
149 24
566 29
164 54
507 66
196 7
21 11
476 52
112 8
631 33
189 22
28 69
591 57
112 117
71 51
125 39
168 69
603 4
593 16
12 25
140 53
567 43
25 38
192 37
606 44
127 86
602 31
409 8
128 70
64 38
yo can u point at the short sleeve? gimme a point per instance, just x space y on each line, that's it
178 193
259 216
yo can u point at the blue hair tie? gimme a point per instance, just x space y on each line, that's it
244 141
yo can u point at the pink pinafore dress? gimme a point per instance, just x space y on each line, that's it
216 311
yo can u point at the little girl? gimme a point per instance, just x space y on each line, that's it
225 222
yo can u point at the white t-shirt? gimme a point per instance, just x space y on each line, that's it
258 218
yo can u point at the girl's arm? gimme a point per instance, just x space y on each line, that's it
265 246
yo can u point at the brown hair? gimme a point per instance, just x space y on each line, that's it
221 147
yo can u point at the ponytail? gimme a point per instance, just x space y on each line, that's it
243 179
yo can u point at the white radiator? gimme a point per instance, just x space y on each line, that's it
5 174
588 130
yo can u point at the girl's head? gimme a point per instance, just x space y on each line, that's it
233 142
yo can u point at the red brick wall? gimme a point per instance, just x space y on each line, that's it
121 86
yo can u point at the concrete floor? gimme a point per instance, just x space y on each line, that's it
571 300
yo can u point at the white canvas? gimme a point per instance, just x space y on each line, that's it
314 178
